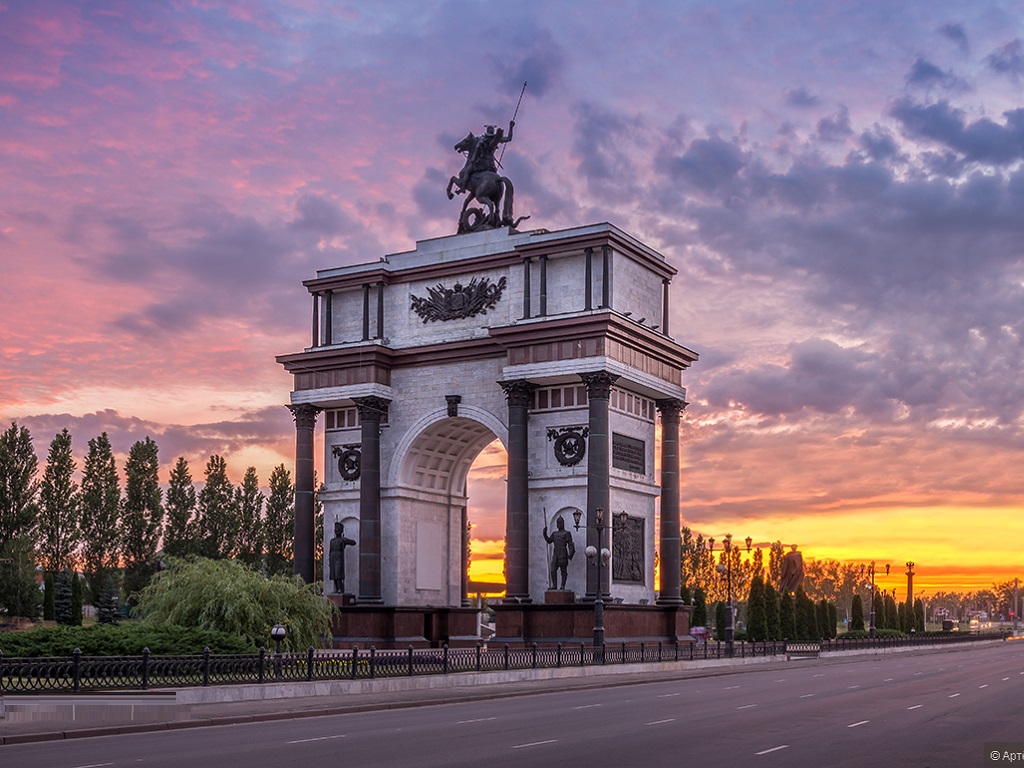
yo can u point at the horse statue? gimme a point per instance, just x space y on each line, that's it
480 179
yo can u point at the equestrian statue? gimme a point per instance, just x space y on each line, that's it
480 180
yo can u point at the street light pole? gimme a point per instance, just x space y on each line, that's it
600 555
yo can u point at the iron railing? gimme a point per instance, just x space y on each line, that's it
79 674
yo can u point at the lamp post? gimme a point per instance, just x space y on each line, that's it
601 558
730 627
278 632
871 570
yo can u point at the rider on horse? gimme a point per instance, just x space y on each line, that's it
481 156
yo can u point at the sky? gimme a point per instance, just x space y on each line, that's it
839 185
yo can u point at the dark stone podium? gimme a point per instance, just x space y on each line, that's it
520 625
399 627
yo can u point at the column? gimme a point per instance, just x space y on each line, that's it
328 318
526 289
303 545
316 320
664 306
588 279
543 285
466 534
606 276
517 504
366 311
371 411
670 536
380 310
599 388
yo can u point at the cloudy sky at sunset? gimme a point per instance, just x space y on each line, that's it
840 185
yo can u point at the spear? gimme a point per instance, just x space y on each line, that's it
516 112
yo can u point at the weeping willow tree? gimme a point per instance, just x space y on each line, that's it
228 596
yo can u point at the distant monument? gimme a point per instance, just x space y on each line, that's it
792 575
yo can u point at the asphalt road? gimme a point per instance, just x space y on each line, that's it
904 710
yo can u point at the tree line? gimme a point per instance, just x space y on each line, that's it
114 528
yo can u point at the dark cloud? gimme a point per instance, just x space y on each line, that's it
318 215
708 164
925 74
800 96
879 143
957 34
982 140
1008 60
836 127
601 145
531 56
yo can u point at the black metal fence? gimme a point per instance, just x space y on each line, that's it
80 674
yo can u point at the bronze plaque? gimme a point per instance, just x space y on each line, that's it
629 454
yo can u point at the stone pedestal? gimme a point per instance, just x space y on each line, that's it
521 625
399 627
559 597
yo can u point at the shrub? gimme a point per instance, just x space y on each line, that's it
119 640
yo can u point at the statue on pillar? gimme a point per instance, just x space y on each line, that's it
562 552
792 575
336 556
479 178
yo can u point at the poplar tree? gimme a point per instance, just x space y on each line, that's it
18 484
142 515
57 526
280 522
700 608
771 612
249 500
101 507
857 614
179 511
217 512
757 620
787 618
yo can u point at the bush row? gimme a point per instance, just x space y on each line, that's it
119 640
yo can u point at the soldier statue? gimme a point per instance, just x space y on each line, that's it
336 556
562 552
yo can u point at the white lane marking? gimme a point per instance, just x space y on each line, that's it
851 687
822 674
916 706
983 686
318 738
918 673
587 706
780 681
807 696
888 679
730 688
534 744
953 695
862 722
667 695
773 749
1005 679
478 720
93 765
747 706
659 722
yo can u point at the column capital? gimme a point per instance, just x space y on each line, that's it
599 384
371 408
518 391
670 408
305 415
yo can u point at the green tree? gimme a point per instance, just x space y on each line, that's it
833 620
217 518
919 615
18 484
280 522
19 593
249 501
857 614
57 526
108 604
101 508
62 609
891 613
757 619
142 515
771 612
806 620
76 600
821 616
227 596
49 598
721 617
700 608
787 617
179 510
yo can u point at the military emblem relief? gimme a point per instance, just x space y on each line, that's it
459 301
570 444
349 461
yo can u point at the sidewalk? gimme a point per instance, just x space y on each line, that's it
49 717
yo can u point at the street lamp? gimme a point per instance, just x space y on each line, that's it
730 628
602 561
871 570
278 632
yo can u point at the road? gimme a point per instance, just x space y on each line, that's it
929 710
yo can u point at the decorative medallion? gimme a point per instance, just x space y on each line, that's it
459 301
349 461
570 444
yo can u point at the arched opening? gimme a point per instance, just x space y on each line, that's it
486 494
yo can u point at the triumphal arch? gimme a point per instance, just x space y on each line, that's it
555 343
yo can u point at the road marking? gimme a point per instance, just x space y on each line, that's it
318 738
730 688
983 686
916 706
1005 679
781 681
93 765
918 673
747 706
807 696
534 744
851 687
953 695
773 749
862 722
888 679
659 722
822 674
587 706
666 695
478 720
